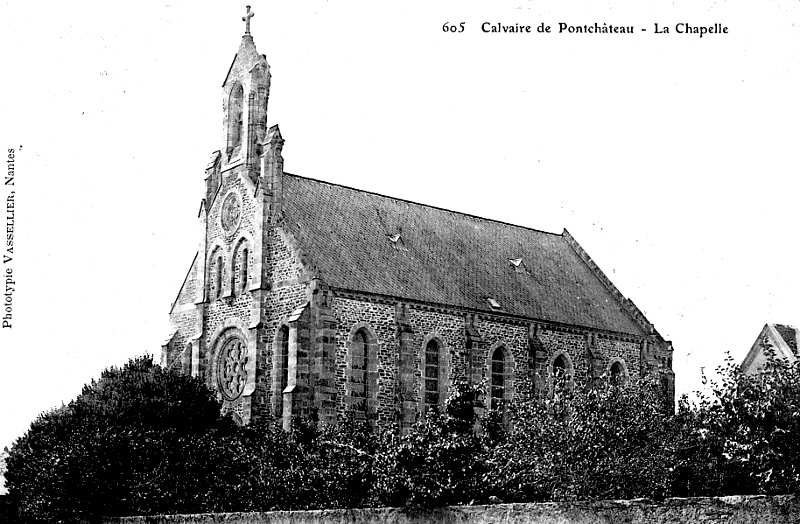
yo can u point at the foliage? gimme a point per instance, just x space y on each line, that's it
440 462
265 468
749 429
339 466
126 445
605 441
142 440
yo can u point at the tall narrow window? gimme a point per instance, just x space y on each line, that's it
498 380
281 367
219 277
245 264
187 360
358 374
432 376
235 118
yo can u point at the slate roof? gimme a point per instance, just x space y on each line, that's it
789 335
371 243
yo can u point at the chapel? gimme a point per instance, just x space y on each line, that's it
312 299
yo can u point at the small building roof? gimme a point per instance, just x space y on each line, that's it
782 341
788 334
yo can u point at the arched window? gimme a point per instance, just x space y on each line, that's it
280 368
432 377
244 271
561 372
186 364
665 387
499 378
617 374
357 378
235 118
561 367
218 280
239 279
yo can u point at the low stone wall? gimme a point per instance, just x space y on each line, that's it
734 510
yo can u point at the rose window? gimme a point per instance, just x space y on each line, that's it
231 373
231 214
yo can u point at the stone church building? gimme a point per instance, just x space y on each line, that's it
311 299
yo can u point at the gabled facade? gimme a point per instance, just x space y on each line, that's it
311 299
781 339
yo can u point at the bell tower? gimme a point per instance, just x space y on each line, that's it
229 343
245 93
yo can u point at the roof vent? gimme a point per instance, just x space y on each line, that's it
518 265
397 242
494 303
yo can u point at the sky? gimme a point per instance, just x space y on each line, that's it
672 158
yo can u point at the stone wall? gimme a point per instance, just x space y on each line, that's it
401 331
729 510
283 274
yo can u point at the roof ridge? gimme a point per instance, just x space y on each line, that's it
185 278
426 205
627 304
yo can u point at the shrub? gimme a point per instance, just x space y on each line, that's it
126 445
601 442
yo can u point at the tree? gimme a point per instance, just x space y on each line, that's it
749 428
136 441
440 462
604 441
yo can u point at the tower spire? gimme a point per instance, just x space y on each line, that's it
246 19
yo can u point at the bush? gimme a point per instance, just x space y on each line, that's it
440 462
602 442
142 440
127 445
749 430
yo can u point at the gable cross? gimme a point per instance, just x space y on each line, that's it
246 19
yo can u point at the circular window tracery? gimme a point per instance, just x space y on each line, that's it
231 214
231 371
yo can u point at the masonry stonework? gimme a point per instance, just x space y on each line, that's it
309 300
722 510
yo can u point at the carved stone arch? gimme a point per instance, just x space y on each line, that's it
241 271
215 271
560 360
617 371
361 372
233 361
367 327
442 370
500 374
244 236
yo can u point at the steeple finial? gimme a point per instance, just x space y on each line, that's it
246 19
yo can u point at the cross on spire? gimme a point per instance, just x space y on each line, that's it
246 19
